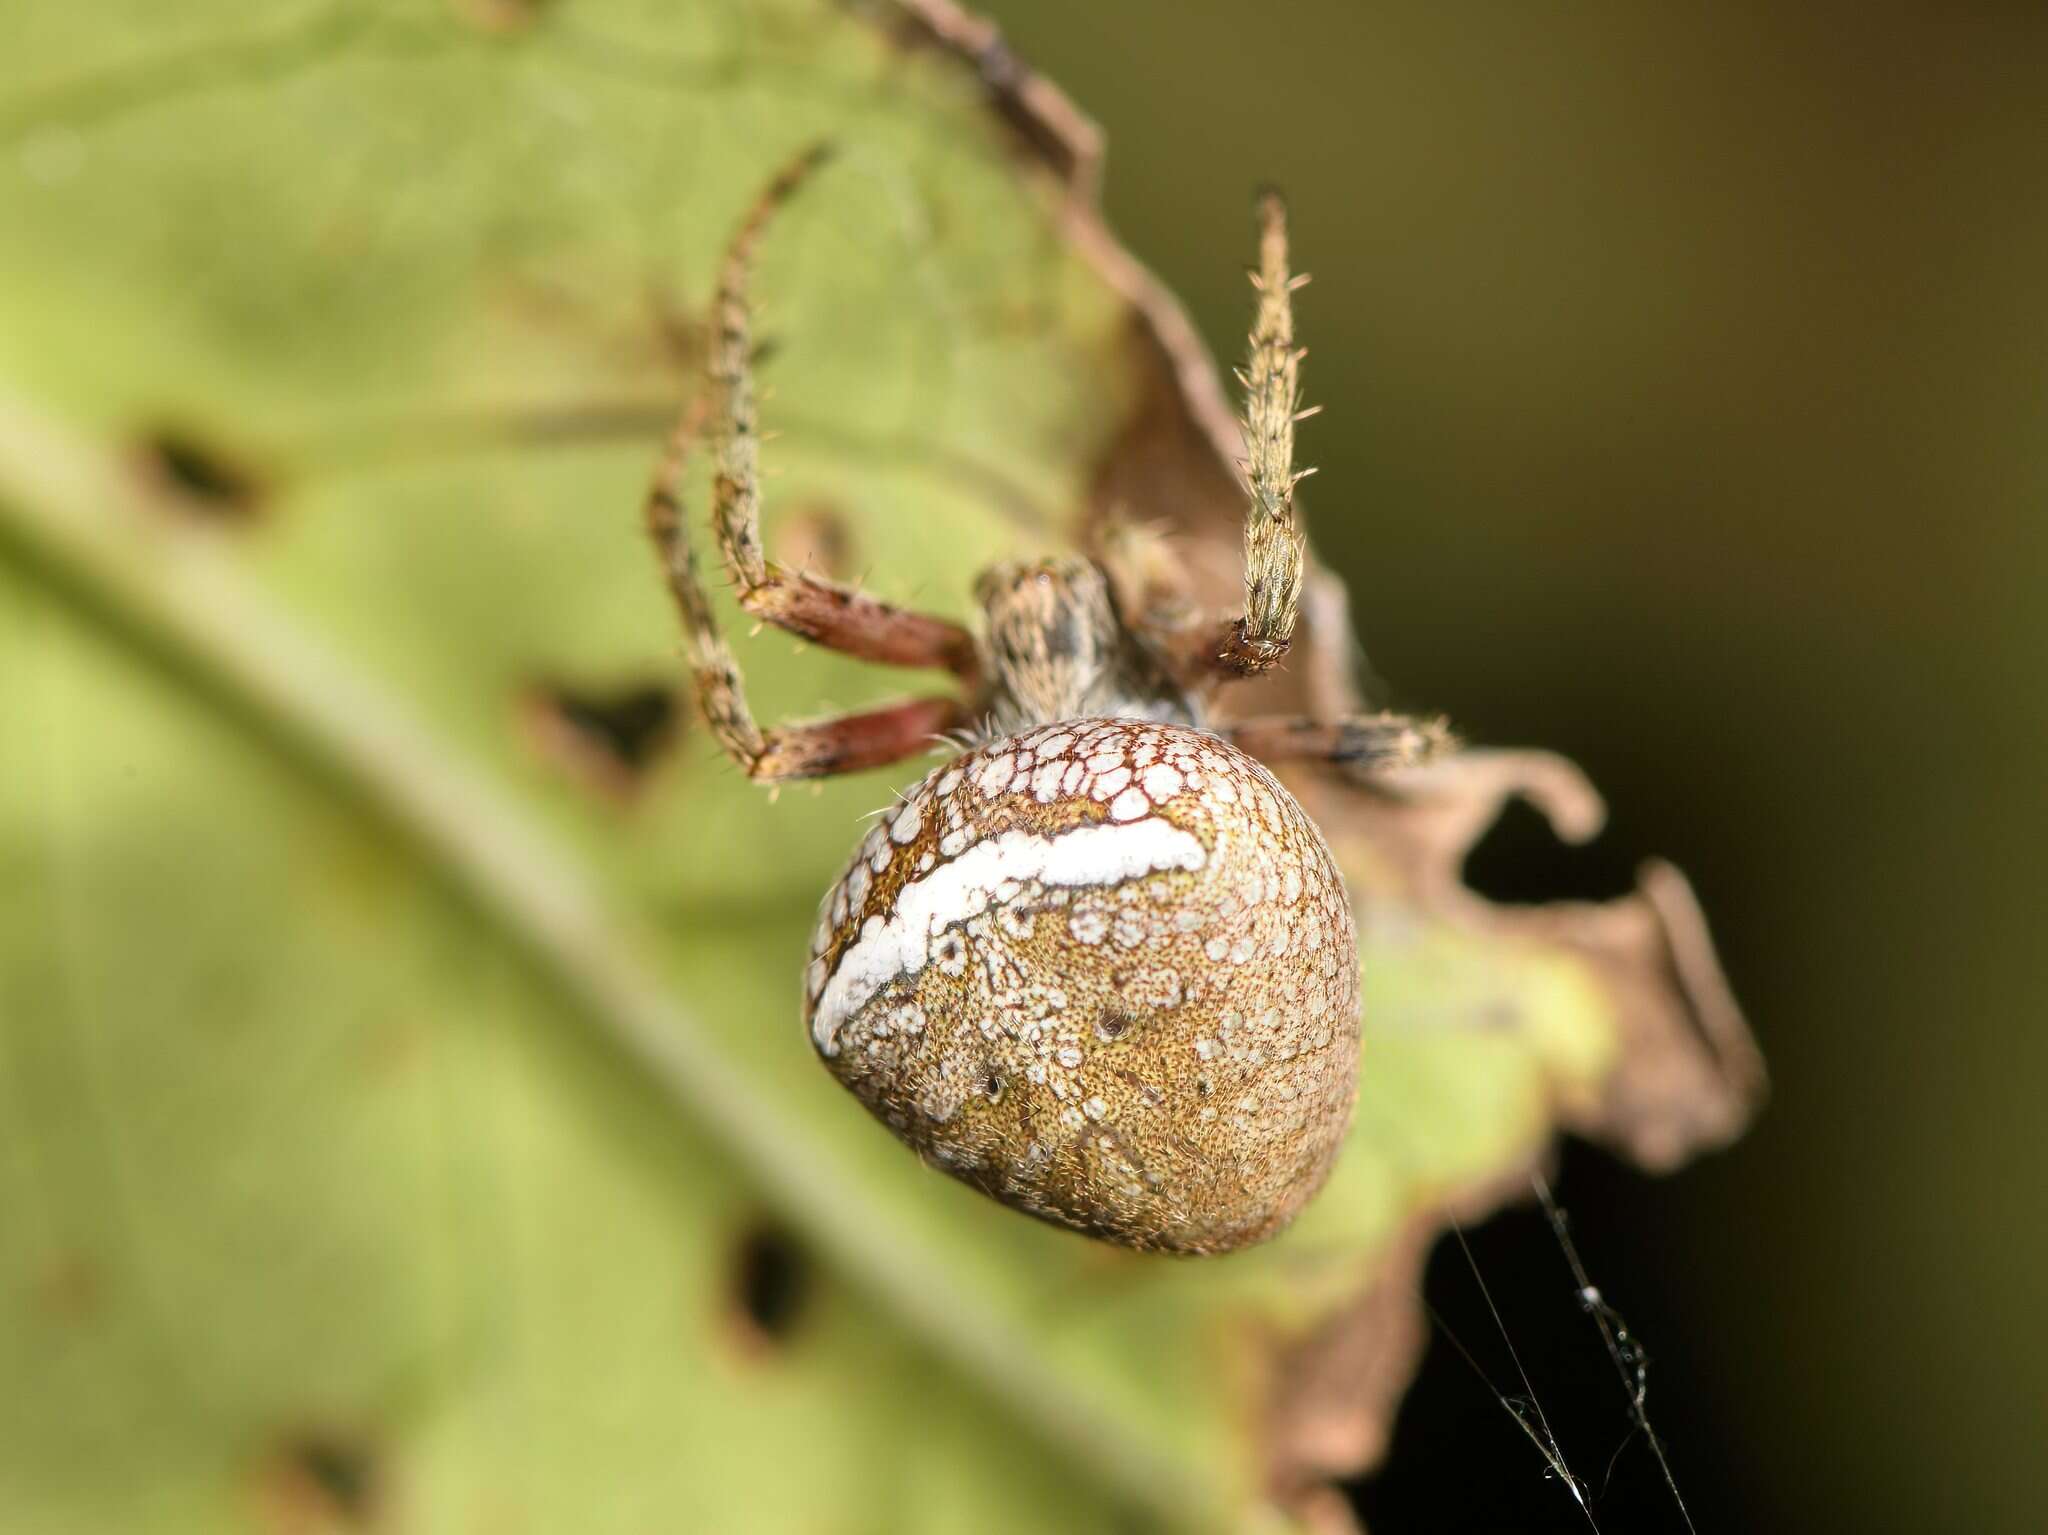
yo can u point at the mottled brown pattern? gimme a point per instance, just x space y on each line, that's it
1166 1060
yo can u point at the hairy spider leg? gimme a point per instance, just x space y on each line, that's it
1358 745
824 612
846 744
1273 544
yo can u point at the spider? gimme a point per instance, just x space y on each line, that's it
1099 963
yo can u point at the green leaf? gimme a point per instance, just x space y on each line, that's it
404 1096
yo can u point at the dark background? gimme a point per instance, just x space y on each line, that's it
1687 382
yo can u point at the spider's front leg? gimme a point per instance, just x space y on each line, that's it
1273 544
838 617
1357 746
824 612
847 744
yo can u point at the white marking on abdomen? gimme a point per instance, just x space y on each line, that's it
1100 855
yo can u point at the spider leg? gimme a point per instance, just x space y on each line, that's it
1273 543
824 612
1357 746
846 744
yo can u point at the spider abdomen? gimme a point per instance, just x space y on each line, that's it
1104 970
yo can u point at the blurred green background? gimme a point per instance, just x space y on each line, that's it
1687 382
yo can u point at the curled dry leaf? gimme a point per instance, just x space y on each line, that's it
1685 1074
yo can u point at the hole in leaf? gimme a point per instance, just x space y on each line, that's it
771 1285
608 739
199 477
817 540
321 1479
1521 862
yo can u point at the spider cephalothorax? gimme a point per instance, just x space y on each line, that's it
1055 647
1099 963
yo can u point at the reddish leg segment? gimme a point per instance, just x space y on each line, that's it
844 745
821 611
